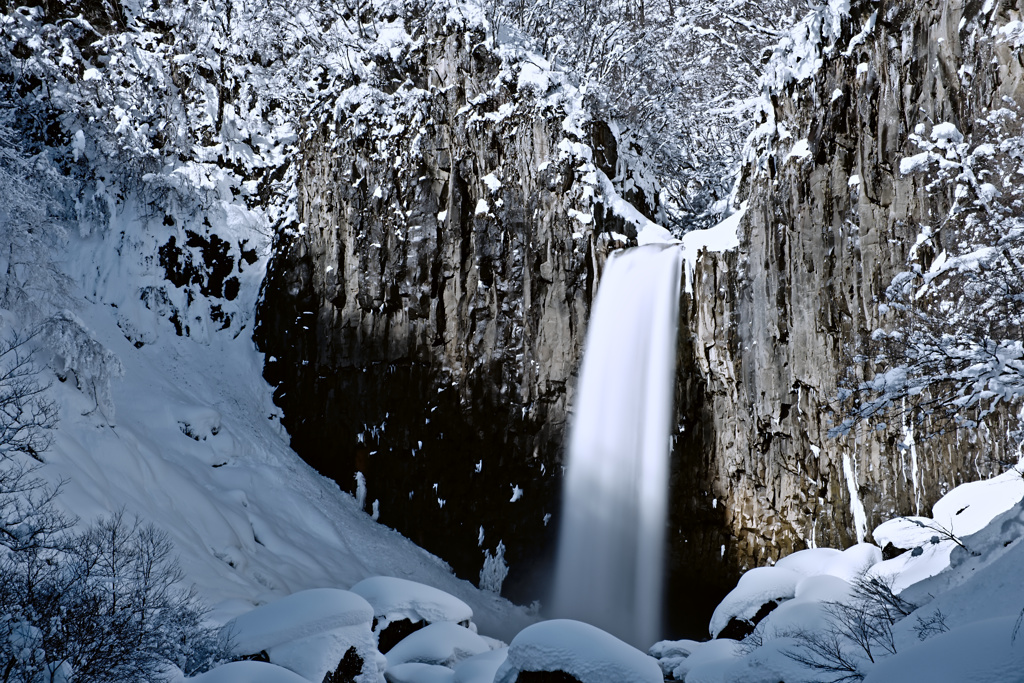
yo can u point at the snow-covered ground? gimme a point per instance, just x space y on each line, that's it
194 445
957 616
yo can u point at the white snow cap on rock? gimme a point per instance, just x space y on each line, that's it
297 616
416 672
580 650
395 599
309 632
248 672
763 584
480 668
442 643
755 588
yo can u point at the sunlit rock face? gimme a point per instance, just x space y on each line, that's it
831 220
424 326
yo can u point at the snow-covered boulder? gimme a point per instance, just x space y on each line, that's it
671 653
480 668
705 659
443 643
248 672
417 672
313 633
758 592
585 652
401 607
761 590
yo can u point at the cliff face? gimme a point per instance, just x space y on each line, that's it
831 220
424 325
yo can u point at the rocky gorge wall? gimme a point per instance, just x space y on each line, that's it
831 220
424 326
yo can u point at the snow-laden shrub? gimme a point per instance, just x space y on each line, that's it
107 604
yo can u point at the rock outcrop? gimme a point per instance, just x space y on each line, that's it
831 220
424 324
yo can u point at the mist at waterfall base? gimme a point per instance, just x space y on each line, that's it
611 553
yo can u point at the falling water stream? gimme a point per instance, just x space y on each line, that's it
611 547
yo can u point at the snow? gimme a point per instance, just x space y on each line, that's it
492 182
534 78
970 507
248 672
579 649
442 643
706 658
418 673
394 599
980 652
806 576
297 616
721 237
800 150
480 668
946 132
755 588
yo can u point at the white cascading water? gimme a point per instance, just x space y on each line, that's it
611 546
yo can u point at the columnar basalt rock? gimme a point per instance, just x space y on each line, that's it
777 324
424 323
424 326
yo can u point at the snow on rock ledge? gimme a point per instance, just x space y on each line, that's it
248 672
580 650
310 633
393 599
443 643
751 600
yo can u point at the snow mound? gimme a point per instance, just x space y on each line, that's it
248 672
706 658
965 511
904 532
480 668
806 610
299 615
443 643
580 650
310 632
981 652
394 599
755 588
786 580
809 562
418 673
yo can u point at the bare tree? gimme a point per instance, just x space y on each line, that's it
859 631
111 606
27 414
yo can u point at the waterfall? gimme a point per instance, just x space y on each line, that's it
611 546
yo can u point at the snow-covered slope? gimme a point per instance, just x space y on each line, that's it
171 131
195 446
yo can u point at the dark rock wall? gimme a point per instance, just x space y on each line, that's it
424 326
